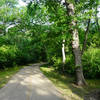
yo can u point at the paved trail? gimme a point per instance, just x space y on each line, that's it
29 84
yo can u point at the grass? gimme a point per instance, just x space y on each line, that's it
66 86
6 74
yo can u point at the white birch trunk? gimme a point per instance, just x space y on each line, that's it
75 45
63 51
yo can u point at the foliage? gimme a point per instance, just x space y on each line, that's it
91 63
7 56
38 30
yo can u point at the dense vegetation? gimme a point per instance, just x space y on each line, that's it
48 31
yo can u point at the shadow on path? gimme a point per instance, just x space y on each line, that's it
29 84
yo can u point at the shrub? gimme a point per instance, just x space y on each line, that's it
7 56
57 62
90 60
69 66
91 63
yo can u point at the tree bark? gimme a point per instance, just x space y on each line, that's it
75 45
63 55
63 52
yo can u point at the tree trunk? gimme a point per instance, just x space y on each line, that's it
78 63
63 52
86 36
75 46
63 55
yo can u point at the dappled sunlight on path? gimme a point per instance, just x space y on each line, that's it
30 84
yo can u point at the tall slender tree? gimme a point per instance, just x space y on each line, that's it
75 44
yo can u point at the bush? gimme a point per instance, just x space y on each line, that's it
57 62
11 55
7 56
24 56
69 66
90 60
91 63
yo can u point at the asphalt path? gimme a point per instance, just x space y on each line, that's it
30 84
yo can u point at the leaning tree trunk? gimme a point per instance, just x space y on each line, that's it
86 37
75 45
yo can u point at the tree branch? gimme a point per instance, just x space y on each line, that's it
86 36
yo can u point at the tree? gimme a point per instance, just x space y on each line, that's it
75 45
55 8
7 9
77 17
